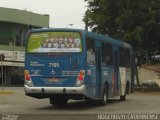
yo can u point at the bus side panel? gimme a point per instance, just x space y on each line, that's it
107 72
91 81
106 75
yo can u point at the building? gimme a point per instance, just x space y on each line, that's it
14 25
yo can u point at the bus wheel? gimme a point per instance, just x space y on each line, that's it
123 97
58 101
104 99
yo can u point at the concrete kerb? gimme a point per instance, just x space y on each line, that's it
146 89
6 92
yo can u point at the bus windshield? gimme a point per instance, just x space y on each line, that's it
50 42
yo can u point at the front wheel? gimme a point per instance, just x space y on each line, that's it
123 97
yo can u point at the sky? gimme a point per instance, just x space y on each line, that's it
62 13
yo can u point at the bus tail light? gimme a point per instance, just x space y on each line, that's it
27 77
80 78
28 80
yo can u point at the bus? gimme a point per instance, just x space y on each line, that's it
63 64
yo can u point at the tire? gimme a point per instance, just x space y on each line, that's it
103 101
123 97
58 101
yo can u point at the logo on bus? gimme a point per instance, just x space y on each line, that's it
53 72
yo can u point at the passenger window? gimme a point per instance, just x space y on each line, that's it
90 47
107 58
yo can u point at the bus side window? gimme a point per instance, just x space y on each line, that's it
107 54
90 47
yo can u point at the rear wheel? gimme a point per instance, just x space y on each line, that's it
104 99
123 97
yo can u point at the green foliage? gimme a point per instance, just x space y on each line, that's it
134 21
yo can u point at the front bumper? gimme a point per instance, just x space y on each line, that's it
55 90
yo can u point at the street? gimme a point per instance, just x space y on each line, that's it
18 104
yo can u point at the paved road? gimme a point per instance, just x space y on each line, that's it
24 106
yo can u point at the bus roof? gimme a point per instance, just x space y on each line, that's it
55 29
108 39
88 34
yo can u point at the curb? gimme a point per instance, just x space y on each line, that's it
145 89
6 92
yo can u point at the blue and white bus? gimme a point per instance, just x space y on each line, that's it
63 64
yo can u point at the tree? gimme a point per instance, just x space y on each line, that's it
133 21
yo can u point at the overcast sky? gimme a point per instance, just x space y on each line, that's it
61 12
